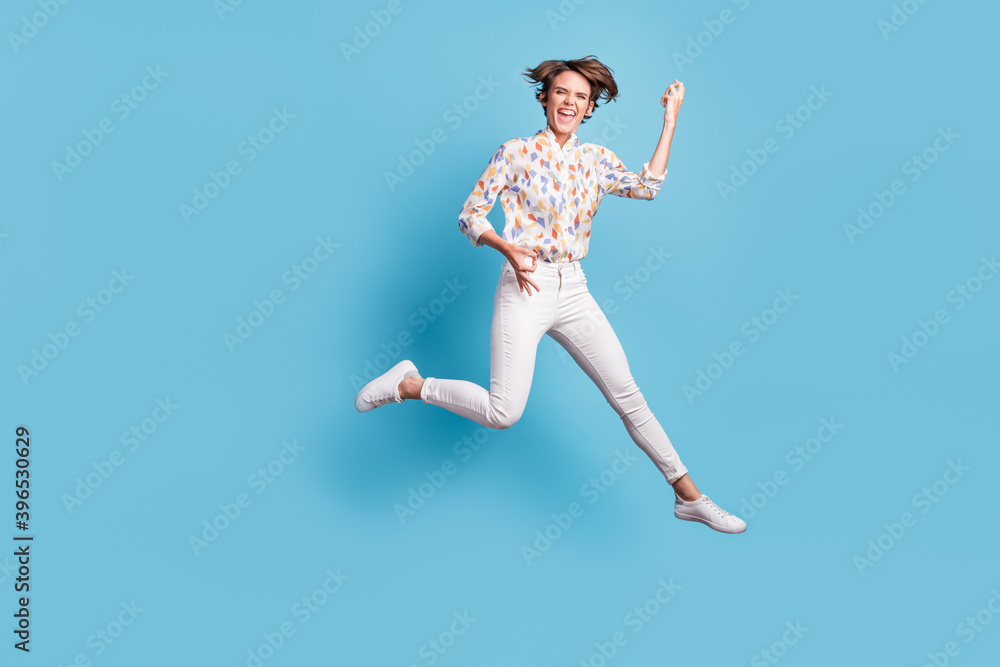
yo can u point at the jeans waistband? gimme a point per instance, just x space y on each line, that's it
560 268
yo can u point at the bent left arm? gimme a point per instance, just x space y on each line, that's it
617 180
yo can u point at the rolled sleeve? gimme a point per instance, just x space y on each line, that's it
619 181
652 182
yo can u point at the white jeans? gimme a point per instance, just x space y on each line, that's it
564 309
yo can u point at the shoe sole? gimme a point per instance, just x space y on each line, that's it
713 526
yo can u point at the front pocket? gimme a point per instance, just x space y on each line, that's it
507 275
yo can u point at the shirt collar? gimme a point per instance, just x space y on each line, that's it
548 135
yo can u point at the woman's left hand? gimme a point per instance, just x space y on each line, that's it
671 101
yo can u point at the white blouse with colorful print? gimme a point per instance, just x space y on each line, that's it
550 194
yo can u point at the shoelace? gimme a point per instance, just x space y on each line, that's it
723 513
383 399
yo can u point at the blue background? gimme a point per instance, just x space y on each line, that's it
334 506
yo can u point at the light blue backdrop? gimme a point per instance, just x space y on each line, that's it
171 171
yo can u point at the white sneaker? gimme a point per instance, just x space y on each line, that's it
385 388
705 511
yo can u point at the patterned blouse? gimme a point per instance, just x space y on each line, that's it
550 194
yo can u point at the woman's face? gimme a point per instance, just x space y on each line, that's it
566 102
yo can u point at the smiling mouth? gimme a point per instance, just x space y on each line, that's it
566 115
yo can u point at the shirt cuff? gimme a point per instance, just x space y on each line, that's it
476 230
650 181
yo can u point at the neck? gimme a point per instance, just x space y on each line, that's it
561 137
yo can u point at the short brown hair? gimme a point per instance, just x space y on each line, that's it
602 82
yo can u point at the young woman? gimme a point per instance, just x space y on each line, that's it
550 186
